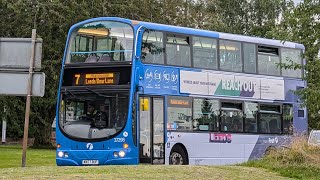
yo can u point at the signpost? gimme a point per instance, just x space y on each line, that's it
29 93
16 83
19 58
4 128
15 54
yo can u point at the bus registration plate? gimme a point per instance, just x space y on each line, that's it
90 161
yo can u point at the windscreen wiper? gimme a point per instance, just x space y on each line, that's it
73 95
70 92
99 94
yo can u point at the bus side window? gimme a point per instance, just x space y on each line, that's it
152 47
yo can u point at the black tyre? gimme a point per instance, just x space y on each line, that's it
178 156
269 150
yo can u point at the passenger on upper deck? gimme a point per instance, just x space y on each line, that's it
106 57
146 54
91 58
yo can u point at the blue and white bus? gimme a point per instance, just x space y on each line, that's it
135 92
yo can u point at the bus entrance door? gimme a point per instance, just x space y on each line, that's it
151 130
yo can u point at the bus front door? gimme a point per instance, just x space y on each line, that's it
151 149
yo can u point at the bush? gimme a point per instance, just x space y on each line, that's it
299 152
299 160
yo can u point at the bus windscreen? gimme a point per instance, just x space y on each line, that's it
101 41
93 115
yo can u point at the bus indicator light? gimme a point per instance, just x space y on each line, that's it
125 146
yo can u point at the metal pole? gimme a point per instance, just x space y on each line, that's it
29 93
4 126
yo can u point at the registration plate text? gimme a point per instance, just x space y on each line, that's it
90 162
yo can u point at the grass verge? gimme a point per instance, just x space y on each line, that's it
139 172
299 161
41 165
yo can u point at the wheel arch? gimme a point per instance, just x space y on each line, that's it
181 146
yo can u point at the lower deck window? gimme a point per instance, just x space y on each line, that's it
251 117
231 120
204 114
231 117
287 110
270 118
179 113
270 123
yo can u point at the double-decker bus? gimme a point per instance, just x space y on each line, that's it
135 92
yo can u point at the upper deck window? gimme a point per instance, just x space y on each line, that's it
204 52
268 60
101 41
291 57
249 58
152 47
230 56
178 50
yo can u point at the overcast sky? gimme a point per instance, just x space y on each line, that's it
296 1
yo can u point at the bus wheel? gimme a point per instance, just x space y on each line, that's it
178 156
269 150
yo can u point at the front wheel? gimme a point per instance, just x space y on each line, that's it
178 157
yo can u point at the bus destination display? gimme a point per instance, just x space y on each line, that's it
84 79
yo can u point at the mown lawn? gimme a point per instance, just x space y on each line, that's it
11 156
41 165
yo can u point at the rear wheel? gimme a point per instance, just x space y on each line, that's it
178 156
269 150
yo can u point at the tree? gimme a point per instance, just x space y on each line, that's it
52 19
249 17
301 24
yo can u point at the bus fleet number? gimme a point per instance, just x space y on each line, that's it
119 140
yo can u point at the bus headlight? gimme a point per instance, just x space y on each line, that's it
122 153
60 154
